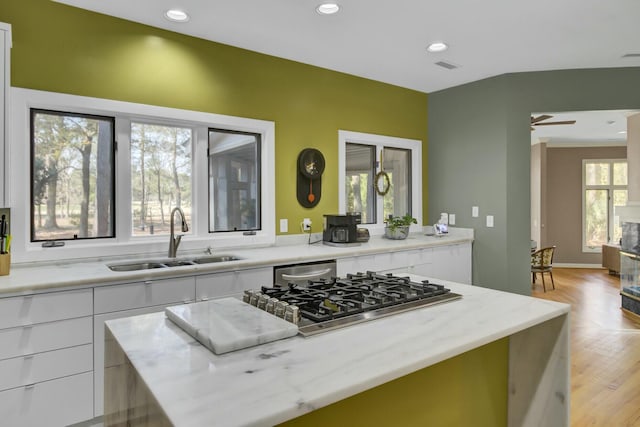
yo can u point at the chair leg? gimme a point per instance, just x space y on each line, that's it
534 277
544 288
552 283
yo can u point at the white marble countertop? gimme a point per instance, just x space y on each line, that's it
278 381
26 278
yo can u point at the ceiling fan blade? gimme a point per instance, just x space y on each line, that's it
540 118
567 122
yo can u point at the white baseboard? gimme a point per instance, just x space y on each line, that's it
571 265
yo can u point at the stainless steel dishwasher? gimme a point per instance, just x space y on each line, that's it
301 273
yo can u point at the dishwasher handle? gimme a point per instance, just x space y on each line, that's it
308 276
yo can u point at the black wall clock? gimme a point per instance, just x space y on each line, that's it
309 180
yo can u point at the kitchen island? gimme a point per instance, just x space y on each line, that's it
512 351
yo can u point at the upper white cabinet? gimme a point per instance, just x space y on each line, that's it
5 83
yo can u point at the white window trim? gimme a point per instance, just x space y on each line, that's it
610 208
23 250
379 141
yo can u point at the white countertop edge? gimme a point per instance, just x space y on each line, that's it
29 278
490 326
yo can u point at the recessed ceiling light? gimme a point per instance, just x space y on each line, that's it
176 15
328 8
437 47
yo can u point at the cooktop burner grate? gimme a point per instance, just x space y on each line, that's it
332 303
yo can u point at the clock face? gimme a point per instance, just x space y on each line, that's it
311 163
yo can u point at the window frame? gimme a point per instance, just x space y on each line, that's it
23 100
32 113
380 141
610 207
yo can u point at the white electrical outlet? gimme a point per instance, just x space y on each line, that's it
452 219
284 225
475 211
306 224
489 220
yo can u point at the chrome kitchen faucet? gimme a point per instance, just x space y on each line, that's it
174 241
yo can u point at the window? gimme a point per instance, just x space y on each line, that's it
160 176
360 157
72 164
218 169
234 181
604 188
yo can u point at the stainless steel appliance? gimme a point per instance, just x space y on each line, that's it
341 229
327 304
302 273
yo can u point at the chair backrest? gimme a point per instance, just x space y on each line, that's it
543 257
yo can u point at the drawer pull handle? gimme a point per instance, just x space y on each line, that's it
148 282
29 386
187 301
204 299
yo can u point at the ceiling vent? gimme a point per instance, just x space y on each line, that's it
631 55
447 65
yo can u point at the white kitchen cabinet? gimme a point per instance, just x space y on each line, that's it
447 262
5 84
232 283
55 403
36 368
144 294
452 262
47 307
46 358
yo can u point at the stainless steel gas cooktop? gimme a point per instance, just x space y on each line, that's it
328 304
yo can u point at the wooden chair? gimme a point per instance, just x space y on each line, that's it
542 262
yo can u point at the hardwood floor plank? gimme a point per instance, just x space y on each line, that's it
605 348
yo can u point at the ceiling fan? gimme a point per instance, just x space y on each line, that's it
537 121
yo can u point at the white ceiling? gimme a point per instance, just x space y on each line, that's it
592 128
386 40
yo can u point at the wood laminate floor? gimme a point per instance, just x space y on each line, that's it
605 348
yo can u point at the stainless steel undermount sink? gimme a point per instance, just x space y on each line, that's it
168 263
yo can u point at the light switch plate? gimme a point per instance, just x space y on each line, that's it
452 219
475 211
489 220
284 225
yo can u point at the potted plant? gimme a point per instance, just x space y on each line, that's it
397 227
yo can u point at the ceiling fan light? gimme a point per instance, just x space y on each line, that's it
437 47
328 8
176 15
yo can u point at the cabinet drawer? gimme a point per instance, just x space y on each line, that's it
232 283
53 403
45 337
21 371
39 308
143 294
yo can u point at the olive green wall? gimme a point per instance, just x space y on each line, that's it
483 128
64 49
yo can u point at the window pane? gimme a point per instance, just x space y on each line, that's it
234 181
359 177
597 173
160 176
620 173
619 199
397 164
72 176
596 218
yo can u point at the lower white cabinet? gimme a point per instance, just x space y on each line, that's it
232 283
46 358
55 403
447 262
